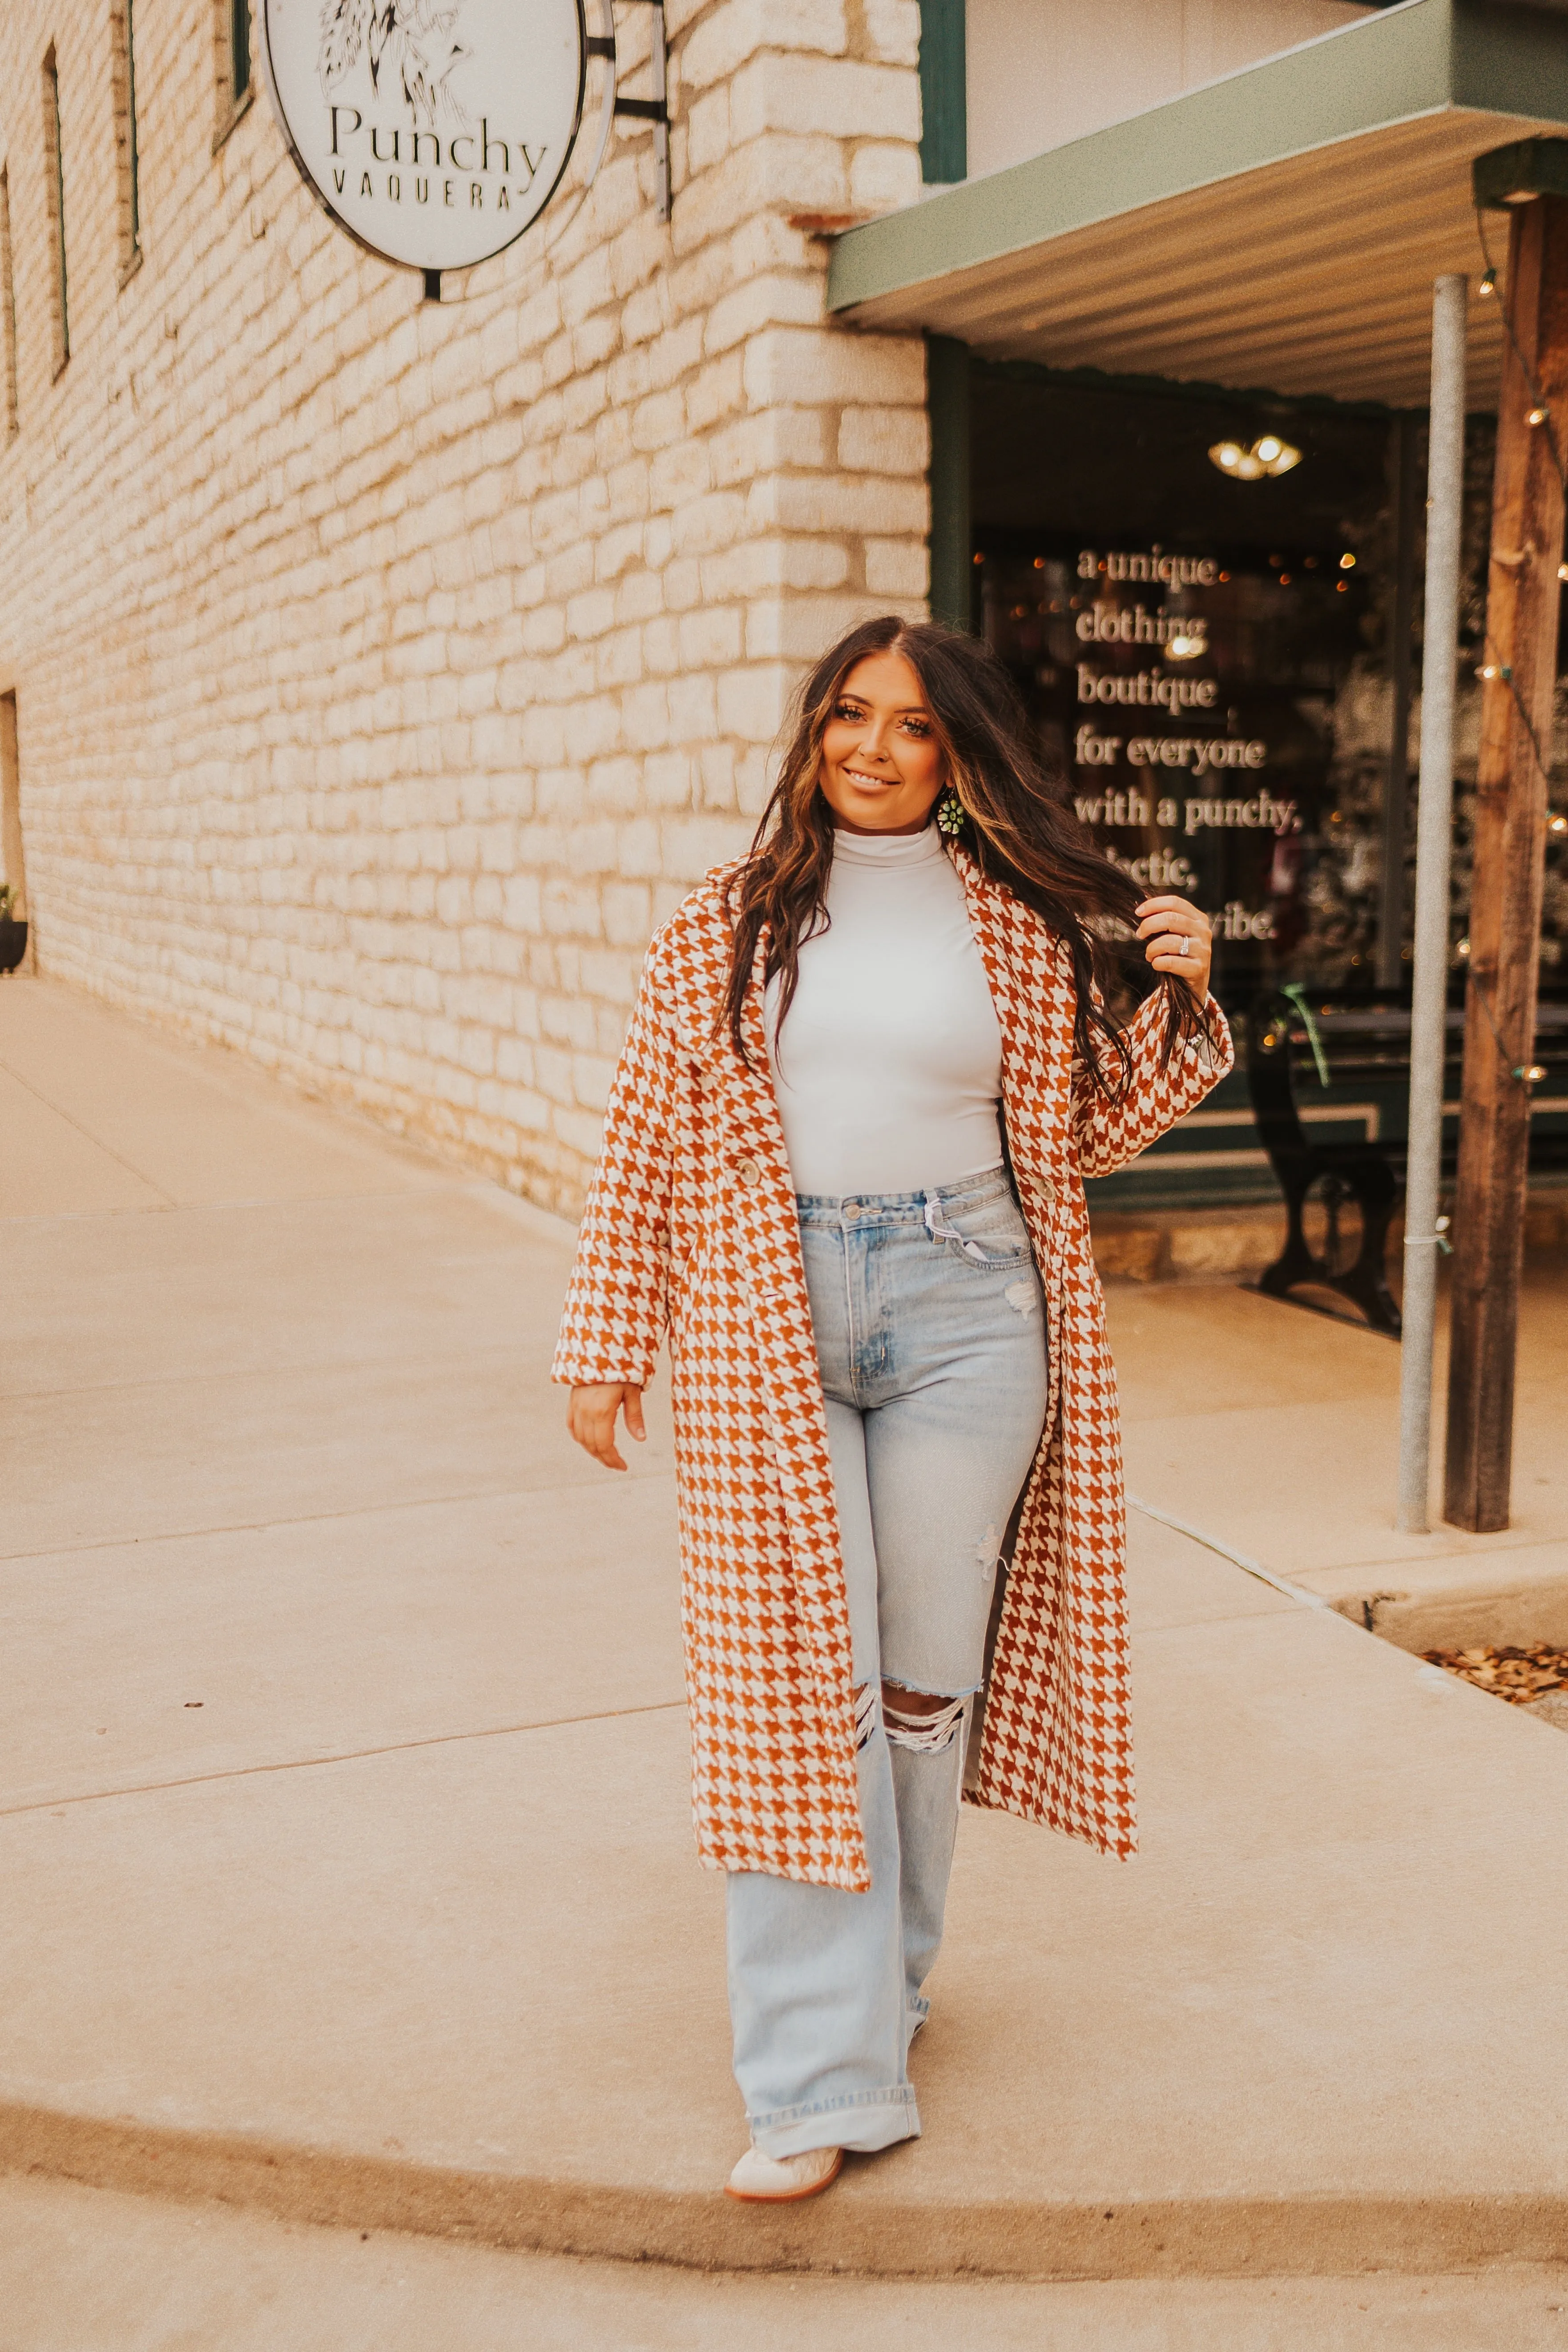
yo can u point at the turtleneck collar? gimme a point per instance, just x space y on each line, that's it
888 851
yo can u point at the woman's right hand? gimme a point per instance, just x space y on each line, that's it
591 1418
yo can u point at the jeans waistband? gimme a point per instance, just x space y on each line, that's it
897 1208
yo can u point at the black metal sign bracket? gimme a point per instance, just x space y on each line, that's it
654 110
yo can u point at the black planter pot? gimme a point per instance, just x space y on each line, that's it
13 943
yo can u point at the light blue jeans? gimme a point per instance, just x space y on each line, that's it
930 1332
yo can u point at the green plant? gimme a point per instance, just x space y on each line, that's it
6 895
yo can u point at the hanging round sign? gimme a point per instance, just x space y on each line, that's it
433 130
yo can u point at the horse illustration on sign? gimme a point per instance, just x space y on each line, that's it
407 38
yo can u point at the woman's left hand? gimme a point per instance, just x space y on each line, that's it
1179 941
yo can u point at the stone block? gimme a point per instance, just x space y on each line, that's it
708 129
884 175
717 47
847 101
892 31
666 780
703 524
693 712
769 438
798 363
771 566
716 771
626 910
753 700
884 440
897 568
711 638
776 299
802 629
837 503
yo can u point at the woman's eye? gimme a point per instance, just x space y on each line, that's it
847 710
916 727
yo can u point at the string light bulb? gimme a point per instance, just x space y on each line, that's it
1488 281
1557 824
1536 417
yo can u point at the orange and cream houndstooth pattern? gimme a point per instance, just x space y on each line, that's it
690 1231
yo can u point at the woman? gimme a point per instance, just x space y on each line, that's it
869 1067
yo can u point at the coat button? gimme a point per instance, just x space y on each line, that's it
1047 1191
748 1171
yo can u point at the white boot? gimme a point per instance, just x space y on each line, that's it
760 2179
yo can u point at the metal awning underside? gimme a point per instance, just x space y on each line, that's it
1279 228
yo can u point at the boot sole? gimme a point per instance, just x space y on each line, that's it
789 2196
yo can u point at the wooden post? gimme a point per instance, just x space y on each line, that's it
1520 672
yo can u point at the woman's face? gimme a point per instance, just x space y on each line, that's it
881 765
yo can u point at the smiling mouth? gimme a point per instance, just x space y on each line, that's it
859 776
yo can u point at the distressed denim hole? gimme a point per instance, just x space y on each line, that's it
922 1734
988 1550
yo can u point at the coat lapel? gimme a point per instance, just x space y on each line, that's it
1032 990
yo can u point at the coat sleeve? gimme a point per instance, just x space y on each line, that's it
1106 1132
617 1299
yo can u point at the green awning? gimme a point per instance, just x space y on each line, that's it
1279 228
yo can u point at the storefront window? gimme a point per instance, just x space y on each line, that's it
1197 652
1206 657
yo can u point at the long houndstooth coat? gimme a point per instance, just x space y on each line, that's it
690 1231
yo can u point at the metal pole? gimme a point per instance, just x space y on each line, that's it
1404 492
1433 827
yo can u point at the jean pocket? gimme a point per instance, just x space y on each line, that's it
989 1233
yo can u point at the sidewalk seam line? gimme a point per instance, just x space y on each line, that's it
97 1142
349 1755
1297 1592
208 1208
322 1518
216 1376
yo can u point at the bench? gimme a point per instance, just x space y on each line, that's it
1329 1077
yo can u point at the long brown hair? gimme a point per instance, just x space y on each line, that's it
1017 826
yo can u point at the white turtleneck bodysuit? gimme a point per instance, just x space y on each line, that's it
889 1068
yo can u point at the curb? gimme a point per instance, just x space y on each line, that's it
858 2228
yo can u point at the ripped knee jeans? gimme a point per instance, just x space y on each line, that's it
930 1331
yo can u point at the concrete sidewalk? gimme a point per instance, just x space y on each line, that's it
343 1801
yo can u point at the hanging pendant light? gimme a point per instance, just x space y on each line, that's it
1252 461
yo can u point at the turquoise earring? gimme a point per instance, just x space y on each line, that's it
950 814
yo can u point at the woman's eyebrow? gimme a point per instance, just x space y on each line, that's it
902 710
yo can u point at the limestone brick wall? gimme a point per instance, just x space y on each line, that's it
384 672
